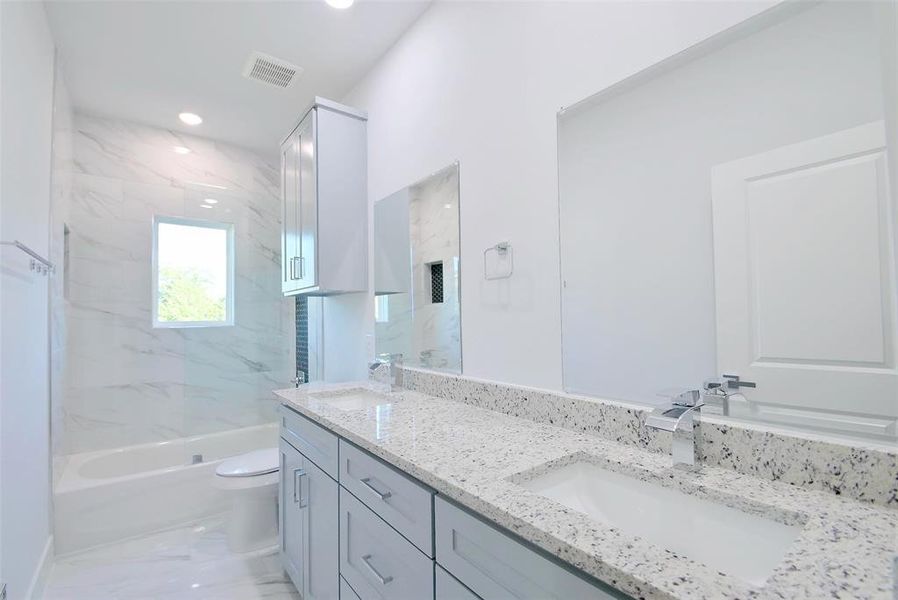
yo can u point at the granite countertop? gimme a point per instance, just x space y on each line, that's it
474 456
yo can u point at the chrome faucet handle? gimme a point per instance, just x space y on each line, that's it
394 364
681 397
734 382
386 357
715 385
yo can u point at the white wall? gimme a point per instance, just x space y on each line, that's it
481 83
26 82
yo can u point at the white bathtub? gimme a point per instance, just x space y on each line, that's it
111 495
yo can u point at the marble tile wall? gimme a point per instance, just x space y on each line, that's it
865 472
428 333
127 382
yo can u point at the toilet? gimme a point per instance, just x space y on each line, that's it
251 481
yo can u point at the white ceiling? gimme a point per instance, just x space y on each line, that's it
148 61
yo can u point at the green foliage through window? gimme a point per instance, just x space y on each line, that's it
185 295
194 271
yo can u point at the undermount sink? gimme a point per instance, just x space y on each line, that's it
726 539
353 399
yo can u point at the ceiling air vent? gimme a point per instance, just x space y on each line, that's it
270 70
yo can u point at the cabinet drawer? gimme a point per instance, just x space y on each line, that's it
402 502
346 592
448 587
378 562
494 565
316 443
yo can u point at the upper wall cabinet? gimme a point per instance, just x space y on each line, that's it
324 240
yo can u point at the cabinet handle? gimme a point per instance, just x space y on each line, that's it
292 269
302 267
382 495
298 475
383 580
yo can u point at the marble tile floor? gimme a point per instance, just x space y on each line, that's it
191 562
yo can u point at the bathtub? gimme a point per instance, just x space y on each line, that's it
111 495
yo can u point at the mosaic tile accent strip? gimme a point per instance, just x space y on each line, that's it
302 335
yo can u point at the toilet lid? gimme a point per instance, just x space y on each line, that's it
257 462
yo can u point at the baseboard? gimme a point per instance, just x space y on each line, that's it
39 580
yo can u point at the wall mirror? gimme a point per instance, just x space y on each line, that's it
732 210
416 273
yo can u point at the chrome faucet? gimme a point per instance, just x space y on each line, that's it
394 363
682 417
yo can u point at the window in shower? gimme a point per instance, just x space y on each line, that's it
193 273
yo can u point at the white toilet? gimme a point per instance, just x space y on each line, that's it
251 480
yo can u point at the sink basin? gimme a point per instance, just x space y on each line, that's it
353 399
726 539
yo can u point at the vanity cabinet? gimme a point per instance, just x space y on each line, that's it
450 588
392 538
400 501
324 237
376 561
309 522
492 564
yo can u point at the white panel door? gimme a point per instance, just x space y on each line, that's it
805 279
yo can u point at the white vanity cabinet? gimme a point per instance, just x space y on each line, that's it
492 564
394 538
324 237
308 520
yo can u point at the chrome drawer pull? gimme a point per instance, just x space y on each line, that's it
377 492
298 476
383 580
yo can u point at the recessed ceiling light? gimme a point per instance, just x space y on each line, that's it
181 150
210 201
205 206
190 118
340 4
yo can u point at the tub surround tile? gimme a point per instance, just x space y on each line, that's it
866 472
477 456
125 381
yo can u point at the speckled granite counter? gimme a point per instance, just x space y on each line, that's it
473 455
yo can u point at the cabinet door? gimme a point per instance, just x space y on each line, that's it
376 561
321 580
493 565
290 513
449 588
290 234
307 267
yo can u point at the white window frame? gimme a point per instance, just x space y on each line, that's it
229 298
